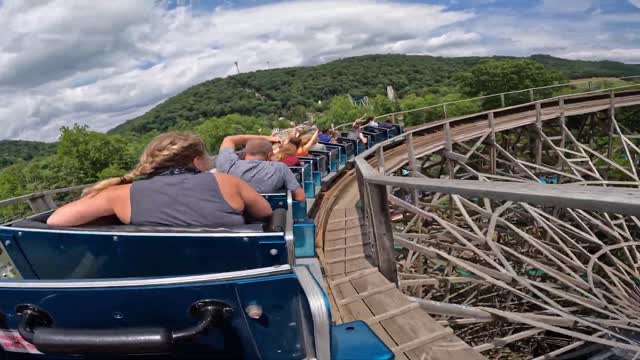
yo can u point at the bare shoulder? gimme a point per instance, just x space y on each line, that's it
227 179
118 193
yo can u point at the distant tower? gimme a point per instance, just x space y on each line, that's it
237 68
268 64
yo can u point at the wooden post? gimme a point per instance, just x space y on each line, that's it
531 95
563 136
538 133
382 231
444 111
448 145
412 164
370 250
492 148
42 204
380 159
612 115
502 100
410 151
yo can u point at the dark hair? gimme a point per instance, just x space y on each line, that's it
371 118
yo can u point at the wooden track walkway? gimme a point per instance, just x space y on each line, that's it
360 292
357 290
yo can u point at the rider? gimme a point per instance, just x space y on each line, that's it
177 189
256 168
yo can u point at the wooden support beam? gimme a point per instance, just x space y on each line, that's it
382 232
492 148
412 163
613 200
612 115
380 159
370 251
538 131
498 343
451 155
42 204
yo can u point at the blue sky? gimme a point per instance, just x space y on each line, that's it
101 63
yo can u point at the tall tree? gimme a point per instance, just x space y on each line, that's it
498 76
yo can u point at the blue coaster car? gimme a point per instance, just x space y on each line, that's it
119 291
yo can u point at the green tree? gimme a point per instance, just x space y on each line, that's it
412 102
214 130
83 154
382 105
498 76
460 108
340 111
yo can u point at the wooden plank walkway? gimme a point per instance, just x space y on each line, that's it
359 292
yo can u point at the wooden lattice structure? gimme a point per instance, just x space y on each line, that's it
516 228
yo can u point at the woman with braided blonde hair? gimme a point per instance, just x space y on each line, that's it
176 189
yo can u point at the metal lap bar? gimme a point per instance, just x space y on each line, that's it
310 177
378 135
288 233
386 131
277 200
330 159
139 282
371 139
323 162
317 171
342 153
351 146
305 178
319 312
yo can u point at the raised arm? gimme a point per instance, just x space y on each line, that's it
356 121
234 141
312 141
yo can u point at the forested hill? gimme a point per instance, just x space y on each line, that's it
292 91
12 151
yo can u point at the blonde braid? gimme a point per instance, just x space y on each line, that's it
166 150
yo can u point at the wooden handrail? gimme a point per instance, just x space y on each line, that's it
26 198
625 78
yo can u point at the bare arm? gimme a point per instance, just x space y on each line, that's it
240 140
298 195
312 141
92 207
254 204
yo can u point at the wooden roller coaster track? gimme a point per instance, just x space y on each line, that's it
356 245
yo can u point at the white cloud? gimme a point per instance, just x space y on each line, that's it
627 54
101 63
635 3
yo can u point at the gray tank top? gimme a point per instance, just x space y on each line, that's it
181 200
